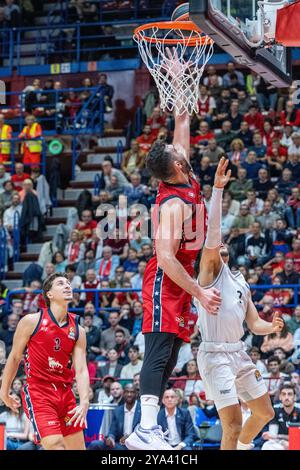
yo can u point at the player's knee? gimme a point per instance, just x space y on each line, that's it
232 429
266 414
57 444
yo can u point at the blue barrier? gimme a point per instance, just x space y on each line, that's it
16 237
119 153
3 253
295 288
97 180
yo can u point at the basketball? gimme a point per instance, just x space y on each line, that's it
181 13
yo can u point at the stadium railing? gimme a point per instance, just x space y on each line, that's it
88 119
294 287
15 150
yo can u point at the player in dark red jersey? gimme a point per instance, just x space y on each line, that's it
54 343
179 220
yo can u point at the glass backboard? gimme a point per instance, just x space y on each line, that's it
246 30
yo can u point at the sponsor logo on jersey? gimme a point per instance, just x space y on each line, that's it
71 334
44 326
53 364
258 375
191 194
51 423
180 320
224 392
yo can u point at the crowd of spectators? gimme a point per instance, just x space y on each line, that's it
103 246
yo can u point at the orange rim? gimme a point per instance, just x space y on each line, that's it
182 25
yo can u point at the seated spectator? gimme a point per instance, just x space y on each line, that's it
104 396
286 412
293 164
234 116
87 263
254 353
225 137
239 187
251 165
275 161
6 195
177 421
108 340
89 308
274 378
133 159
245 134
227 219
122 345
116 391
245 220
292 213
283 339
12 13
295 254
266 95
227 77
275 264
254 118
280 297
74 251
192 382
290 116
59 262
42 188
74 279
146 140
254 203
16 425
134 366
285 366
256 247
7 335
206 105
93 336
125 297
285 183
244 103
19 176
105 267
205 171
203 135
222 108
86 225
294 149
236 243
268 132
90 282
289 275
108 170
213 151
234 206
32 300
9 213
135 191
262 184
259 148
156 121
286 138
112 366
277 201
125 418
3 176
212 77
237 154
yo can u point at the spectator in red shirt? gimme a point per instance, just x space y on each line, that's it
86 225
19 176
254 118
156 121
276 264
203 135
282 151
292 213
290 115
146 139
125 297
295 254
268 133
280 296
91 282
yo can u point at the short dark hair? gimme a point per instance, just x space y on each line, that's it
158 161
71 268
254 349
119 330
274 359
135 348
287 385
48 283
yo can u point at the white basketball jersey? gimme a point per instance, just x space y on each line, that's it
227 325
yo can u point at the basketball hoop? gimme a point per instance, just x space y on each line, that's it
177 74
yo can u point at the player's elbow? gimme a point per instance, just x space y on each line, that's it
164 261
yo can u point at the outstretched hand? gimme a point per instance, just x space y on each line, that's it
173 65
222 177
277 323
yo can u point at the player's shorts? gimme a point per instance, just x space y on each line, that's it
228 374
166 305
47 406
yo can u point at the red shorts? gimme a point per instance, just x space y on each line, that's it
166 305
47 406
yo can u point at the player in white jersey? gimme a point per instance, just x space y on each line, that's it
225 368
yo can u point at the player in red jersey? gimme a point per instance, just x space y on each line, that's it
179 220
53 342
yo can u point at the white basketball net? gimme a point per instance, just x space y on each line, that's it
178 84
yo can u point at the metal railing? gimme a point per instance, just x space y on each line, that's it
15 149
16 237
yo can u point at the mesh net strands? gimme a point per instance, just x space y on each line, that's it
177 80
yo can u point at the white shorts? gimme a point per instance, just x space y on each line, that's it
228 374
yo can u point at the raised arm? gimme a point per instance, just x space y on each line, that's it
181 139
82 379
167 242
259 326
22 335
211 261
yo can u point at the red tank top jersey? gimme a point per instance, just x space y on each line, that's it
193 230
48 355
203 105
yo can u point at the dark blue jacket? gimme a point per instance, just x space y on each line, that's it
185 427
116 430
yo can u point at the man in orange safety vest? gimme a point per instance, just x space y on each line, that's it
5 136
32 147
